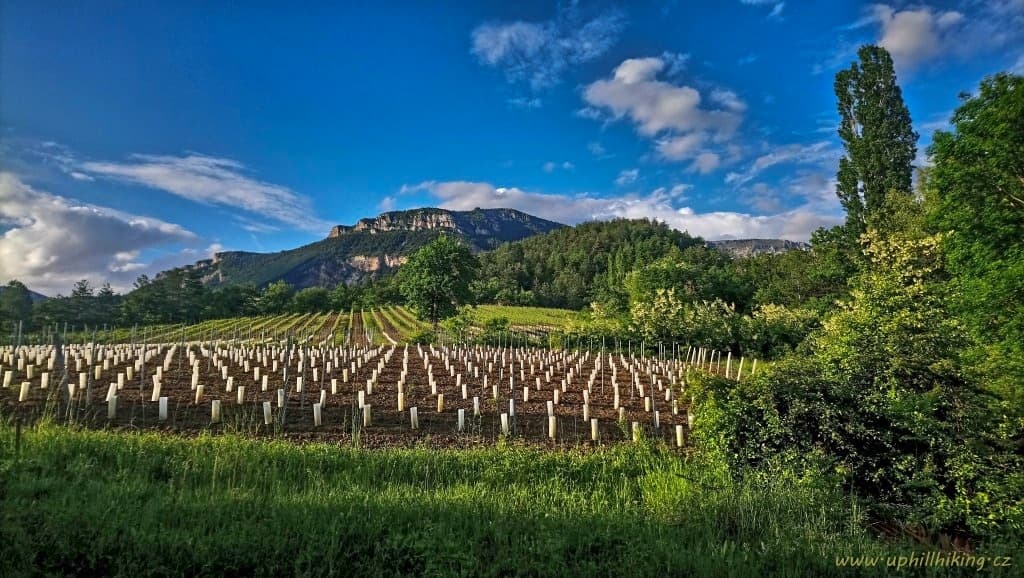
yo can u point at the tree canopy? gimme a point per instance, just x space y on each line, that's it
878 137
436 279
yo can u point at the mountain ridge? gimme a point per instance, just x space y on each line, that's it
372 247
375 246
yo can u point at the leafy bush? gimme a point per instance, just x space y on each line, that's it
668 317
774 330
880 400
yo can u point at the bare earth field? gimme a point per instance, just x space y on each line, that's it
328 372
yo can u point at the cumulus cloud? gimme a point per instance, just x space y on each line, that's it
653 105
212 181
919 34
796 224
914 35
48 241
541 52
671 114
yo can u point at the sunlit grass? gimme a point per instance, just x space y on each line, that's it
88 502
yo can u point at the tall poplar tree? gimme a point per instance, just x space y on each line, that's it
878 137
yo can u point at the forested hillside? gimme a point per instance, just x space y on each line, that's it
572 267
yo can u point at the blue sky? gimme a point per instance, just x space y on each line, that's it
135 136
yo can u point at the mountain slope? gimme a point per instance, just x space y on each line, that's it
371 247
35 297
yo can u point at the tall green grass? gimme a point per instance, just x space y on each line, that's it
103 503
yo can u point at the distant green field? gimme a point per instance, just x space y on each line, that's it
526 316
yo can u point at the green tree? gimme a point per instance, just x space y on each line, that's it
696 273
878 137
15 303
436 280
342 297
311 300
977 184
276 298
81 301
105 305
977 191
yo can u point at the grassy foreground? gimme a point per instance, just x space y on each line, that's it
103 503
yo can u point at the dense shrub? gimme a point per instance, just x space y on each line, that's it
879 397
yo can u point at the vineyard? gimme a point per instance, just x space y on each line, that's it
387 325
349 377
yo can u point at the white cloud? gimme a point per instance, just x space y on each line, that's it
919 34
255 226
656 106
48 242
675 193
524 102
80 176
821 153
212 181
675 63
797 224
388 203
589 112
627 177
811 191
914 35
677 148
671 114
777 6
705 163
597 149
552 166
541 52
937 122
764 198
1018 67
818 190
728 99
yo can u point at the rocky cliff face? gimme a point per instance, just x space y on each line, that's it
484 225
400 221
751 247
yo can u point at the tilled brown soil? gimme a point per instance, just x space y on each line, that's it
341 417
